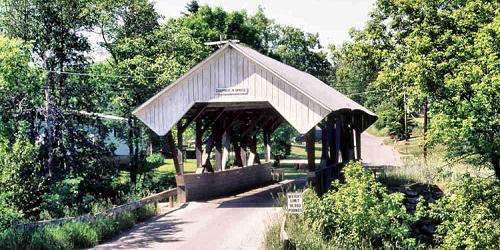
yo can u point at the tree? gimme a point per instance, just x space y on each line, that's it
20 88
355 65
301 50
192 7
54 29
45 88
454 64
148 55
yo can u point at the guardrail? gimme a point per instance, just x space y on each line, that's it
112 212
325 175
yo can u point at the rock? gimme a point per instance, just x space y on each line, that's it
424 238
411 207
430 200
411 200
411 193
428 229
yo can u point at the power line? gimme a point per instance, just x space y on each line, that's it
99 75
364 92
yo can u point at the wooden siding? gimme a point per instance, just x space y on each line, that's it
230 69
218 184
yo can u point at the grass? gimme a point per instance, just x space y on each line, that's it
189 166
75 235
377 132
301 235
298 151
272 239
291 173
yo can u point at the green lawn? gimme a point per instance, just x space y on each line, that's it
291 173
189 166
298 151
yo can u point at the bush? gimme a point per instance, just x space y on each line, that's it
8 215
74 234
281 141
81 235
125 220
469 216
105 228
50 238
10 239
360 212
145 212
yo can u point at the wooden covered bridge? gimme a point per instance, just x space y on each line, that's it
238 92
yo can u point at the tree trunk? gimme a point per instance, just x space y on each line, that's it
496 166
48 126
131 156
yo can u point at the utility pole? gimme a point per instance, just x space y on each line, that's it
48 125
406 116
426 118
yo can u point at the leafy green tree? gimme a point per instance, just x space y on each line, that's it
468 121
356 66
54 29
300 49
148 56
20 89
21 179
446 52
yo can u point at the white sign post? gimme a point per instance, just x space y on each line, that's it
295 204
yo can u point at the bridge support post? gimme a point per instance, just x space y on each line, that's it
310 140
179 178
198 145
267 146
218 145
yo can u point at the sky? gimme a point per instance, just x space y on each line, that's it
332 19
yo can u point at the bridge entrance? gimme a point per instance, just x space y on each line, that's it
231 98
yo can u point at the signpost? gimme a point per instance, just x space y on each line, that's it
295 203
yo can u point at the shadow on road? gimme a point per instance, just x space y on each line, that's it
262 197
159 229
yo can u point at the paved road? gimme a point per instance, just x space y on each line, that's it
237 222
375 153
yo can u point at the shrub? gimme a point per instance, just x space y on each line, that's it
50 238
125 220
8 215
145 212
469 216
12 240
105 228
81 235
360 212
281 141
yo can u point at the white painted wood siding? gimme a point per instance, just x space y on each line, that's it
233 70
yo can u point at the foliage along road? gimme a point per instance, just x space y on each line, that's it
237 222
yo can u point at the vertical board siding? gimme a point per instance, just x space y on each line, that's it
231 69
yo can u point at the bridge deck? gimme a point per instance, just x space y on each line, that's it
236 222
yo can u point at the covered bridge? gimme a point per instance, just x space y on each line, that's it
238 92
